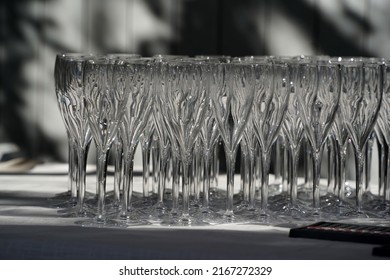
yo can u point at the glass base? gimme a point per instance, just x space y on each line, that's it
229 217
266 217
247 213
156 212
177 219
294 212
208 216
101 222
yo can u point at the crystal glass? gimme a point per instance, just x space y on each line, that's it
133 78
183 101
165 145
360 102
59 78
382 131
105 101
118 145
232 94
163 139
270 105
209 136
69 87
318 87
294 134
351 81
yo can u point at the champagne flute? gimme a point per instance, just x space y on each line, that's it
294 134
105 104
271 100
69 87
183 102
133 78
319 86
232 94
360 101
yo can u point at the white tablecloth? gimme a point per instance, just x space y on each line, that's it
30 229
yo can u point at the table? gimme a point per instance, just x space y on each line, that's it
30 229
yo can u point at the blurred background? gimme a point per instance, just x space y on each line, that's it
32 32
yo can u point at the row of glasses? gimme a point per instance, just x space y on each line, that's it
185 105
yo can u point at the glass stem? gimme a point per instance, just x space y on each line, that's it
118 176
215 167
316 181
128 181
168 175
198 176
331 166
162 179
294 177
368 163
258 175
382 168
175 184
230 167
264 182
308 169
145 170
247 178
131 184
342 176
207 181
278 161
82 159
286 172
71 164
101 183
242 171
155 167
254 179
73 173
192 176
359 163
249 192
336 170
386 190
186 191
